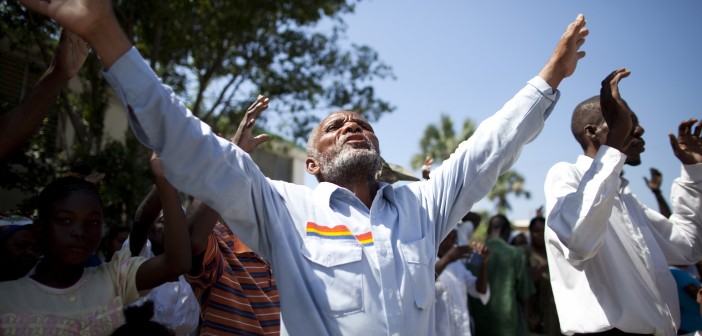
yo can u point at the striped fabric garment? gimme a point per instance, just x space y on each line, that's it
237 291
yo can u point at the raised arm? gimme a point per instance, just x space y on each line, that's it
144 218
176 258
687 145
654 184
565 57
472 170
21 122
201 218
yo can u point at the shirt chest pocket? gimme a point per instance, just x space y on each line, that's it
418 262
338 270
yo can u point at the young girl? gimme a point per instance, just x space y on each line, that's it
62 297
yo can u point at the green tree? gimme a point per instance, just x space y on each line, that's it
440 141
217 55
508 183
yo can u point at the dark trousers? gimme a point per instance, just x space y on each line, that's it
610 332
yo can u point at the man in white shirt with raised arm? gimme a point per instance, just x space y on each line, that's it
608 253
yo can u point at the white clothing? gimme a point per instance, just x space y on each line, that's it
453 286
175 305
341 267
608 253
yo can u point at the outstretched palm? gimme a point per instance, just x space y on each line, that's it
687 146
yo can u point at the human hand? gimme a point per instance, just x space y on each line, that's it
540 211
615 110
79 16
687 146
156 167
565 57
426 167
244 137
70 55
656 180
458 252
92 20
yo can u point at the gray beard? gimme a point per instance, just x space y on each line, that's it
350 165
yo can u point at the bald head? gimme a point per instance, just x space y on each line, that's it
586 113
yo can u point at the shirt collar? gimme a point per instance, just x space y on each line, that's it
324 192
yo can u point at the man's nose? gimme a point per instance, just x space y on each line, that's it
638 130
351 126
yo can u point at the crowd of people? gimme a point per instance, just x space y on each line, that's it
356 255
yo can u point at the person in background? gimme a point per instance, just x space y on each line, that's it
60 295
654 183
454 283
510 285
173 303
19 251
235 286
688 287
112 242
543 317
608 253
138 322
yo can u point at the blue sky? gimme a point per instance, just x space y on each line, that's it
467 58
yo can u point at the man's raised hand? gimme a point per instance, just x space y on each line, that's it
92 20
565 57
687 146
615 110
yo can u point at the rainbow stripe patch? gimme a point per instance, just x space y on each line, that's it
338 232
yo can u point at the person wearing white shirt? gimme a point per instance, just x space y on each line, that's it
455 282
608 253
352 256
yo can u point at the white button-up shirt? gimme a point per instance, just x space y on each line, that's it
341 267
608 253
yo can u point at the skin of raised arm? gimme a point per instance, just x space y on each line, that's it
655 185
481 284
456 252
93 20
615 110
144 217
176 258
21 122
201 218
565 57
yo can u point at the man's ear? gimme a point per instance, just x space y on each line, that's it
312 166
590 133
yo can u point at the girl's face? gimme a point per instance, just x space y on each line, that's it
74 228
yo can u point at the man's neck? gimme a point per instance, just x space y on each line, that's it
365 191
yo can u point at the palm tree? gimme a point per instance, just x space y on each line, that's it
509 182
440 141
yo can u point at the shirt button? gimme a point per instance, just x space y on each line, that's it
71 298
